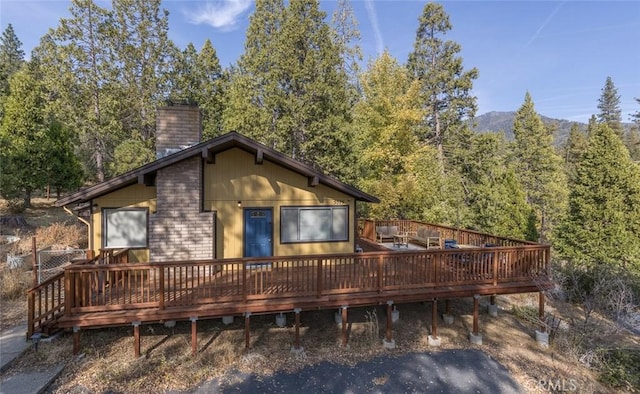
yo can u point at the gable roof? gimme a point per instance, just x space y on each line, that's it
207 150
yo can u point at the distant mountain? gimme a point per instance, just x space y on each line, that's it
503 121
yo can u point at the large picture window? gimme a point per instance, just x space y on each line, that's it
125 227
314 224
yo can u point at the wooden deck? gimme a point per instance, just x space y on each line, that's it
107 290
96 295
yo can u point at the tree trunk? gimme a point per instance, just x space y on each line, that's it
27 199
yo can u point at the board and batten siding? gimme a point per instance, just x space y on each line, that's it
236 177
134 196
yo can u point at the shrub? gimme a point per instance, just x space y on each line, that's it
621 369
14 283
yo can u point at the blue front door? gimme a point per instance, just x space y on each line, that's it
258 232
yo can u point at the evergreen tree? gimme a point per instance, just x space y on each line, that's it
609 106
290 91
212 93
130 154
632 142
81 77
11 59
573 148
603 220
23 131
539 168
185 79
345 28
445 85
64 171
198 78
496 199
142 50
253 107
635 117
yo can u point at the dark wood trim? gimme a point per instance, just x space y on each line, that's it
147 179
208 156
208 150
259 156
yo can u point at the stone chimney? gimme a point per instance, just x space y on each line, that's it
178 126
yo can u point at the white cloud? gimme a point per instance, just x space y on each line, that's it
544 24
220 14
373 19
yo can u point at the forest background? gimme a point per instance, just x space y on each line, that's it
82 110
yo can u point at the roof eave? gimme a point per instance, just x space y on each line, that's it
216 145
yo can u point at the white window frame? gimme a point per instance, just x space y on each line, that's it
139 218
306 224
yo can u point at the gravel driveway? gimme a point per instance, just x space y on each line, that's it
449 371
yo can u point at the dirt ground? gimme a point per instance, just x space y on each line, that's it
107 362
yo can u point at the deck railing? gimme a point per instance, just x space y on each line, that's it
197 283
367 229
46 302
108 283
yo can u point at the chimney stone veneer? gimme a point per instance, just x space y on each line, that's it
177 127
179 230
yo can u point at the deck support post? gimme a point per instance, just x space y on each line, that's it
344 325
296 348
542 336
475 336
76 340
389 334
136 338
247 321
389 342
492 308
447 316
476 301
194 335
433 339
541 311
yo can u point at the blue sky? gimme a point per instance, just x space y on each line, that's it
561 52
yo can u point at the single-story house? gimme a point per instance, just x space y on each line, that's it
227 197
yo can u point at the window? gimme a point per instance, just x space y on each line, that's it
125 227
314 224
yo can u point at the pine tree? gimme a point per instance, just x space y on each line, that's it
609 106
635 117
539 168
346 36
198 78
185 79
445 85
212 93
253 107
23 130
81 77
632 142
573 148
289 90
11 59
142 49
603 219
496 199
64 171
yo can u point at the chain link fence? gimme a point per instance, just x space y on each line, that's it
52 262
